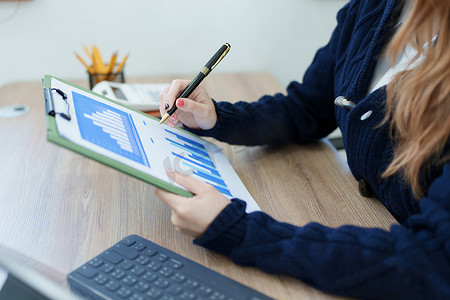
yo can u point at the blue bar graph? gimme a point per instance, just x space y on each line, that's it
108 128
195 156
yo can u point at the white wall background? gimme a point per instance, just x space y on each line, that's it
163 37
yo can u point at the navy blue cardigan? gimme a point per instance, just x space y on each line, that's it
411 260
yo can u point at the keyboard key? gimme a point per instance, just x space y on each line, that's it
138 246
191 284
150 252
154 266
107 268
124 292
128 241
149 277
217 296
142 287
188 296
137 270
178 278
154 293
204 291
111 257
87 272
126 265
129 280
137 297
174 290
166 272
101 279
175 264
96 262
162 257
118 274
112 285
143 260
161 283
125 251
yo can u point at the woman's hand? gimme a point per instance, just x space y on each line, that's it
192 216
197 112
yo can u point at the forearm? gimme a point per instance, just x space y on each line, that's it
300 116
252 123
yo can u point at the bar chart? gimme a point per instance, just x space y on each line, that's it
194 156
108 128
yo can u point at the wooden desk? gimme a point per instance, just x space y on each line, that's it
59 209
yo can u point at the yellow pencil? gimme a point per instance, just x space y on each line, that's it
90 69
99 65
120 67
89 54
112 63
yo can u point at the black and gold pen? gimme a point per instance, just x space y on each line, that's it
210 65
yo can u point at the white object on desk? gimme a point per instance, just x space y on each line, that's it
140 96
13 111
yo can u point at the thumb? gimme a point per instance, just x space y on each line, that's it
189 182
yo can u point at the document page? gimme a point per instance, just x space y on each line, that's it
141 143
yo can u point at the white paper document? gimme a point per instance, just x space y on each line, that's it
140 142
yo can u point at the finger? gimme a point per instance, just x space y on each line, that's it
202 113
161 98
172 200
194 107
174 119
161 95
176 88
161 104
190 183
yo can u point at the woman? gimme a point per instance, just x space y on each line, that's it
396 138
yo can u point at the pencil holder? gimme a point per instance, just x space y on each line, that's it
95 78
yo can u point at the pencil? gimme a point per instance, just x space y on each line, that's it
90 69
120 67
111 65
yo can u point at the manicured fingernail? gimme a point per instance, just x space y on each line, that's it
166 106
180 102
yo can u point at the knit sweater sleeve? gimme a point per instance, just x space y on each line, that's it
411 262
304 114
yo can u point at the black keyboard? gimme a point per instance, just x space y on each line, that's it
136 268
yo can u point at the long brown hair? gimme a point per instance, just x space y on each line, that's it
418 99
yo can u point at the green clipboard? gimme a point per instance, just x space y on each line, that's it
54 137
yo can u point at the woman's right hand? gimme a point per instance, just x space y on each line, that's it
196 112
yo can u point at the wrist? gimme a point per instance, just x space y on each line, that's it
227 229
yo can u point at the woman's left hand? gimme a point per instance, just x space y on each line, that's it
193 215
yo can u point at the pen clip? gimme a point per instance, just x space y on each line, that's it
228 47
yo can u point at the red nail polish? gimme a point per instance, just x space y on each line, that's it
180 102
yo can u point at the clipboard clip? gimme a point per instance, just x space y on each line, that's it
50 105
